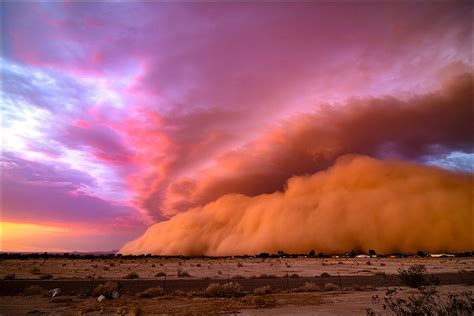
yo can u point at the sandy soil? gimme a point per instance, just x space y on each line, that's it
223 268
316 303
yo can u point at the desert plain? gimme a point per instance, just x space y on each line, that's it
277 286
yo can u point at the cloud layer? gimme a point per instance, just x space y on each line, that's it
411 129
359 203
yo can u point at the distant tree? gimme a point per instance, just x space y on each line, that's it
421 253
372 252
312 254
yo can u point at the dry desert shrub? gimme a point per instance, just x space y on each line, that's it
259 301
132 275
160 274
268 276
294 275
308 287
416 276
151 292
34 290
427 302
358 287
325 275
238 276
46 276
330 287
183 274
266 289
105 289
230 289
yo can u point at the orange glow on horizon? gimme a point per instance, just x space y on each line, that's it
19 236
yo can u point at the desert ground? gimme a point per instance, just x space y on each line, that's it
277 286
223 268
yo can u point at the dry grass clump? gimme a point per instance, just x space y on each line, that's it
160 274
331 287
230 289
266 289
325 275
358 287
259 301
151 292
183 274
267 276
132 275
46 276
238 276
308 287
34 290
105 289
294 275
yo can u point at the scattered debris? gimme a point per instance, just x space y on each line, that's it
54 292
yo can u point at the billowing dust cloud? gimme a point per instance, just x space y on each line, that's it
359 203
428 124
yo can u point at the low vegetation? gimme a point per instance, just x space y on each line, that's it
266 289
415 276
427 302
308 287
132 275
45 276
330 287
230 289
105 289
259 301
183 274
151 292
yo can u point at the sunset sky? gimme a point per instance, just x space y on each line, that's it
118 115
